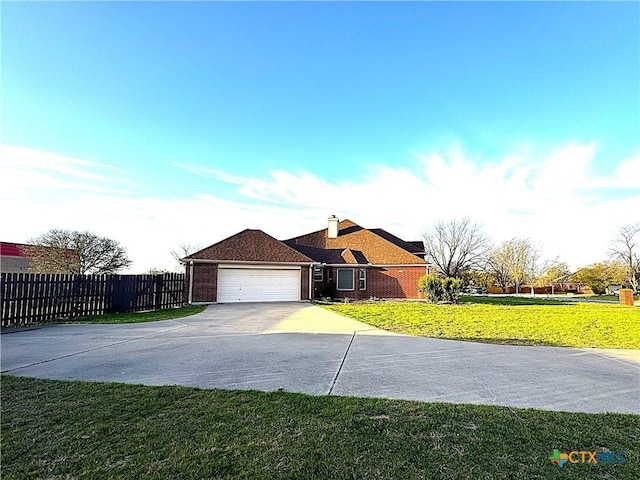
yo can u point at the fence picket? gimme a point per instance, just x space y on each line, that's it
38 297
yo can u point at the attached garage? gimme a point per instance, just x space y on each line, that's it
239 283
249 266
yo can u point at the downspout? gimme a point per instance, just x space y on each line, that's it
310 281
190 282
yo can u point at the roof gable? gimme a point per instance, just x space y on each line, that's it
374 246
251 246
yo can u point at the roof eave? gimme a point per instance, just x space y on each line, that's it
247 262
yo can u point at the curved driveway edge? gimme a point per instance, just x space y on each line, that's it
304 348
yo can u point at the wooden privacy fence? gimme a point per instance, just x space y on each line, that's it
37 297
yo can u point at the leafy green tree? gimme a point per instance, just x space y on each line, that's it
598 276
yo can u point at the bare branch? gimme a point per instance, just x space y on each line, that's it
514 263
184 250
455 246
626 249
66 251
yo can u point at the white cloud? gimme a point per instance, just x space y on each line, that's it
25 170
628 173
555 199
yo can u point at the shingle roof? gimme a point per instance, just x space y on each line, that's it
418 244
354 256
354 246
375 246
413 246
9 249
251 246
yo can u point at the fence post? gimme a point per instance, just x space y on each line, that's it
158 285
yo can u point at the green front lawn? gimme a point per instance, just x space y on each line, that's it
509 300
508 320
138 317
54 429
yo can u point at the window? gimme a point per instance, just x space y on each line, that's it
318 274
362 279
345 279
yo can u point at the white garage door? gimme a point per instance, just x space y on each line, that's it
258 285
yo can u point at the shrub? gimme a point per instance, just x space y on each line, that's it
431 286
451 289
438 290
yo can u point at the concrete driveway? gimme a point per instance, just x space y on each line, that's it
304 348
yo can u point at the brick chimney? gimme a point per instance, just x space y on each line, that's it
332 232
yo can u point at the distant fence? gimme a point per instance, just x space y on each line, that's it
37 297
560 288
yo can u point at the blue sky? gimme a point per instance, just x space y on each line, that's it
275 115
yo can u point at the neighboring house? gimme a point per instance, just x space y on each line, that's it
614 289
16 258
343 260
13 259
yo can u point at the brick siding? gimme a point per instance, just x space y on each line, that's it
205 282
304 283
382 282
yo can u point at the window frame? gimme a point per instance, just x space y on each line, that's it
362 277
353 283
320 270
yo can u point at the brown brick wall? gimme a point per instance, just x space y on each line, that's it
304 283
394 282
386 282
205 282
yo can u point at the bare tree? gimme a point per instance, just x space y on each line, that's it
498 269
626 248
184 250
514 262
66 251
455 246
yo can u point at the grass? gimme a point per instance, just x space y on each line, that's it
507 320
509 300
56 429
138 317
614 298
